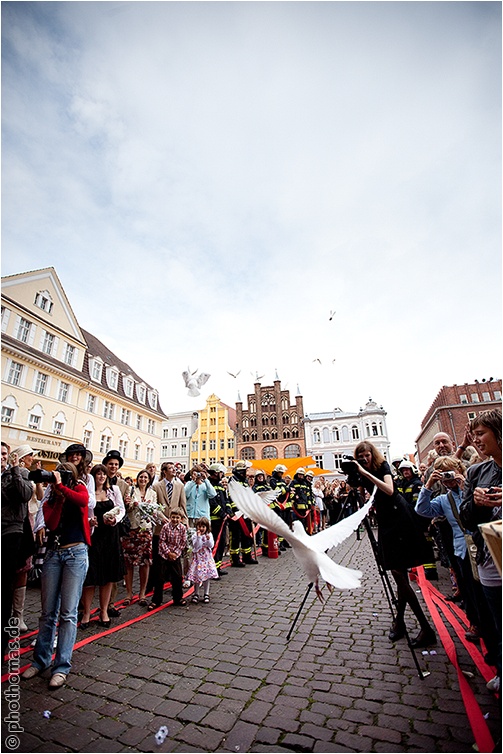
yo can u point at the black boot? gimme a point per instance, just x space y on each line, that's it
425 638
397 630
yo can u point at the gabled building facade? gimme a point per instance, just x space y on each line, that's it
270 426
213 440
60 384
333 434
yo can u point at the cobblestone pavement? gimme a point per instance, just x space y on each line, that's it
222 677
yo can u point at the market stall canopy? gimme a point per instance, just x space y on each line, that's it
292 464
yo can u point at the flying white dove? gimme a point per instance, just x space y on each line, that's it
193 383
310 551
234 375
331 315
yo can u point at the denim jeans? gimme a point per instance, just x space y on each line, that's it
63 575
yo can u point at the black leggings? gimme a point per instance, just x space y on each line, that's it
407 596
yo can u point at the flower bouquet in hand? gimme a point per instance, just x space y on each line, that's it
151 513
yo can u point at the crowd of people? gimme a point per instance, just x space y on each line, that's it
95 527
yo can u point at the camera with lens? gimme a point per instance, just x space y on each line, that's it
40 476
349 467
448 475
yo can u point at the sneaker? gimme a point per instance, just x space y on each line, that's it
494 684
31 672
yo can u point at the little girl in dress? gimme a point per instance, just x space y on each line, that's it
203 567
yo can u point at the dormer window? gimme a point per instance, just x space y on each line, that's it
96 370
112 378
141 392
152 399
43 301
70 352
128 384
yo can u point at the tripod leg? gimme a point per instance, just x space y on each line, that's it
310 586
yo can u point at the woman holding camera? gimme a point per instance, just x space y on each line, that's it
401 546
63 573
106 563
198 492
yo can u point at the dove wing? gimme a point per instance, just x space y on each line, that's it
339 576
337 533
269 496
186 378
203 377
255 508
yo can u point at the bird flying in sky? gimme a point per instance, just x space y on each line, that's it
193 383
234 375
310 551
331 315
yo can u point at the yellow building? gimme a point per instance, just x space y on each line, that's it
213 440
61 385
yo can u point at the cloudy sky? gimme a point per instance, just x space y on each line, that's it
211 180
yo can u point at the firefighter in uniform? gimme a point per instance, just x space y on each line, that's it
220 510
312 502
283 501
410 486
240 537
260 485
299 489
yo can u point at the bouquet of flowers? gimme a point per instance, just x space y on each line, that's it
150 513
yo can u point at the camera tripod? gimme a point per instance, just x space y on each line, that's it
387 587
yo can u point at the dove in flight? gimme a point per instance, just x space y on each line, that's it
310 551
234 375
193 383
331 315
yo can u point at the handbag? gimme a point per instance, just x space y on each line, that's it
471 547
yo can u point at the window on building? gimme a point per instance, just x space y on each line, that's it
34 421
105 443
174 450
486 397
254 436
203 444
141 392
112 378
96 370
175 432
213 445
150 455
316 435
273 420
139 421
269 451
374 429
195 446
266 436
497 395
7 415
165 434
63 392
123 448
463 398
345 434
69 356
125 416
128 386
335 434
183 449
137 452
326 436
222 444
475 398
48 343
265 421
286 434
274 434
41 383
230 443
355 432
184 431
471 415
5 318
381 431
338 460
15 372
152 399
91 403
23 330
108 409
248 454
292 451
319 461
87 439
58 427
151 427
164 450
286 419
43 301
253 421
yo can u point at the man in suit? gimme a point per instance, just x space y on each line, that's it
170 495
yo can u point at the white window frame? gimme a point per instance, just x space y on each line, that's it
112 375
8 414
48 343
125 416
12 372
41 380
70 354
24 330
96 370
91 403
64 392
141 392
128 384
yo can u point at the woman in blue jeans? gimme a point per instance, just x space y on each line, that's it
63 573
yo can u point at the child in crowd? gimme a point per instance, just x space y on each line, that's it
172 543
203 567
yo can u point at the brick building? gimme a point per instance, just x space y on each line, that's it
453 407
270 426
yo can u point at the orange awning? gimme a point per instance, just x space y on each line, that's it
292 464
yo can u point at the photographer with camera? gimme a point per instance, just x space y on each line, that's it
198 492
400 545
64 570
